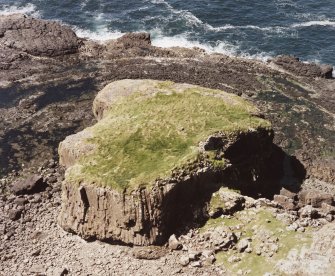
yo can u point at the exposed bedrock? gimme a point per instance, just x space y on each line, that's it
295 66
146 209
36 37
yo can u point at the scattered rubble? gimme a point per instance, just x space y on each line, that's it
256 231
30 185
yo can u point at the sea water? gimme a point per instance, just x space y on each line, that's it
252 29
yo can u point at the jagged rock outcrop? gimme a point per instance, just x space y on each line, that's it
295 66
154 158
36 37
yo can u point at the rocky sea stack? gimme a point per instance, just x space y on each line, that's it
158 152
236 183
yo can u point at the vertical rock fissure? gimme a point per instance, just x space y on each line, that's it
86 204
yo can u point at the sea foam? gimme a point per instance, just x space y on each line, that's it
315 23
29 9
102 34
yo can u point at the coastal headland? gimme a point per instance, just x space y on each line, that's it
260 173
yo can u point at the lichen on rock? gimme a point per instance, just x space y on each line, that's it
156 154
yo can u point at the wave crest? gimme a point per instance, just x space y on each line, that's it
314 23
29 9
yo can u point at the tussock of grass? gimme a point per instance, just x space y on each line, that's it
143 137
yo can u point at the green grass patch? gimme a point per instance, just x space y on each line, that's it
143 138
258 265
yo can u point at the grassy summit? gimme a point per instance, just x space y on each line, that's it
144 137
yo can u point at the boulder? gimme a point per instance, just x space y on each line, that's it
15 214
315 198
285 202
131 40
20 201
30 185
326 71
143 171
36 37
184 260
137 45
309 212
174 244
327 209
243 244
289 194
225 202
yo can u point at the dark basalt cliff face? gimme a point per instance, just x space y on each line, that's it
56 80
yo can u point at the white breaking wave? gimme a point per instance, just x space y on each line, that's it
193 21
190 18
314 23
102 34
159 40
274 29
29 9
221 47
286 3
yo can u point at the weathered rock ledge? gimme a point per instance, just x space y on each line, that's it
146 213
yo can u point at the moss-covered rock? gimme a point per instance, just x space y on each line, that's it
158 149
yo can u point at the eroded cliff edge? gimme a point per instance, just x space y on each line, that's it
155 157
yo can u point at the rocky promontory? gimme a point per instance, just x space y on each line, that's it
158 152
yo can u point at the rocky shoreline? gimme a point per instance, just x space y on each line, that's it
47 86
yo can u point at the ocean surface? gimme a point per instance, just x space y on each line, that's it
253 29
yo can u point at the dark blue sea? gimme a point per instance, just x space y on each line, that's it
252 29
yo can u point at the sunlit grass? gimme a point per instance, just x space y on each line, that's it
143 138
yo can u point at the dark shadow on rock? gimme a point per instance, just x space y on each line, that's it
30 185
32 135
279 170
70 91
21 144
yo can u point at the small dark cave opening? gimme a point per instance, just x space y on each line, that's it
279 170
